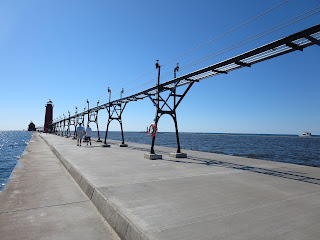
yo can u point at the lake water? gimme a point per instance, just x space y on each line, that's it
281 148
12 146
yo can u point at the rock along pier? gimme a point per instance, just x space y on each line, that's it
123 195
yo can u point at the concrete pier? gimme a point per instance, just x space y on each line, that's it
205 196
42 201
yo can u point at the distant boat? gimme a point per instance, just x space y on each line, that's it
305 134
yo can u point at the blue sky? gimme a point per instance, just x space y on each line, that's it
70 51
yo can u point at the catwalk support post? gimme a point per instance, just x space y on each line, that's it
164 107
93 117
115 110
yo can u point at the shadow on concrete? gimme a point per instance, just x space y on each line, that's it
297 176
293 175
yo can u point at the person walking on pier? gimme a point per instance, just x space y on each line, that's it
88 134
80 134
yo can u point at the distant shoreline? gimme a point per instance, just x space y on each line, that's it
246 134
258 135
222 134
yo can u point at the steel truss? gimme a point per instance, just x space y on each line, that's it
294 42
73 123
93 117
115 111
68 124
63 126
297 41
59 128
164 107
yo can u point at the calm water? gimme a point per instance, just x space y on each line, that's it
288 149
281 148
12 145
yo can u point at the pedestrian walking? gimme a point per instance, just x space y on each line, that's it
88 134
80 133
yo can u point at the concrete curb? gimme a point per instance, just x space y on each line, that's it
117 220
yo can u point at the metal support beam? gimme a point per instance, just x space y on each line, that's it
217 71
93 117
115 113
295 42
294 46
69 123
192 80
64 125
313 40
243 64
163 107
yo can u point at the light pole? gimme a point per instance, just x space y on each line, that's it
109 91
75 124
64 123
122 91
88 114
60 124
84 109
158 107
68 130
176 69
109 120
99 140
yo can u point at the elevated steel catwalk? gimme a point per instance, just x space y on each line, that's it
294 42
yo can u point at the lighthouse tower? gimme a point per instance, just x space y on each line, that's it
48 118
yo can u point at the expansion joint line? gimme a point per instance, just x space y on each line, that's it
48 206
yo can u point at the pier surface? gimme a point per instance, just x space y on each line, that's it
206 196
42 201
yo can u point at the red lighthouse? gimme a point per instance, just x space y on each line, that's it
48 118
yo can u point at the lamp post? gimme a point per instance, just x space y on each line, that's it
122 91
68 130
158 86
60 125
75 123
84 109
158 106
109 120
88 114
64 123
176 69
109 91
99 140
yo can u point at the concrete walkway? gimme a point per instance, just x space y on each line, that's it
207 196
43 201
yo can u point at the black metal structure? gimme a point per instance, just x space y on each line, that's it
83 116
63 125
68 125
294 42
60 126
76 122
93 117
115 111
72 122
163 104
56 126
